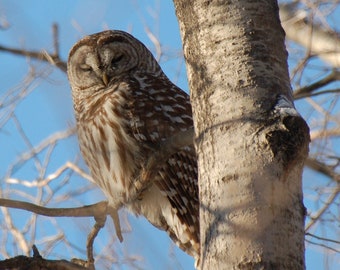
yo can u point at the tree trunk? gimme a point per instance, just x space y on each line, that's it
250 140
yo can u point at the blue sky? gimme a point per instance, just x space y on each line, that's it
48 109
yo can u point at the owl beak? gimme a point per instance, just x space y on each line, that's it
105 79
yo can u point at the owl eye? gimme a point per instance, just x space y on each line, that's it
85 67
115 61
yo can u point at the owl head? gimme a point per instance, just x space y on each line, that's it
99 60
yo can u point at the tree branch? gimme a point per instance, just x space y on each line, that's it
100 210
52 58
307 90
328 171
313 37
42 56
94 210
322 168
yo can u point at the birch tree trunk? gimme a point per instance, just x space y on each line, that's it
250 140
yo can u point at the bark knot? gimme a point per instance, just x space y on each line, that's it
289 139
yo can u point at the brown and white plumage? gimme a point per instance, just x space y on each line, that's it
125 106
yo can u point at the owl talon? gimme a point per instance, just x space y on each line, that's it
113 212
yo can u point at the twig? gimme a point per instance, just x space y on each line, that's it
323 238
322 245
23 262
322 168
51 176
42 56
328 171
321 211
36 253
155 42
314 37
17 234
33 150
325 133
100 222
55 35
98 210
329 91
307 90
53 58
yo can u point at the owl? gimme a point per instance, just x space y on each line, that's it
125 107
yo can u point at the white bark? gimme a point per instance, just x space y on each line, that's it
251 143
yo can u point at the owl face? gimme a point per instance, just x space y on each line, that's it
99 60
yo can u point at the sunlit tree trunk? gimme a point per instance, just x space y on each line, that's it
250 140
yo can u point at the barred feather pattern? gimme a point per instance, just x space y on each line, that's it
124 107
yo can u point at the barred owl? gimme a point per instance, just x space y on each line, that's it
125 107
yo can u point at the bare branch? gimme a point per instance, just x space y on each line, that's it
52 58
330 91
307 90
323 209
37 262
94 210
51 176
328 171
42 56
326 133
17 234
32 152
98 211
100 222
155 42
322 245
55 35
312 36
323 238
322 168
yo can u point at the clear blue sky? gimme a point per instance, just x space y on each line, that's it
49 109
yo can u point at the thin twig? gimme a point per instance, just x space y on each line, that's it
51 176
323 238
42 56
155 42
325 133
322 168
321 211
322 245
329 91
55 35
52 58
307 90
100 222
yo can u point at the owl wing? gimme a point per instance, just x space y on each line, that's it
161 110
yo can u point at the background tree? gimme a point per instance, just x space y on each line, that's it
40 162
